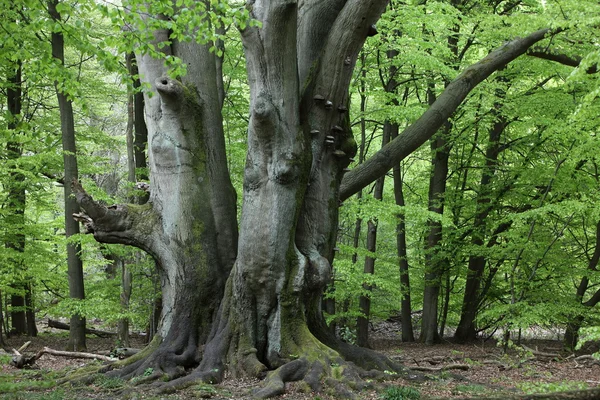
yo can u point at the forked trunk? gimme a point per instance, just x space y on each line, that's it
300 63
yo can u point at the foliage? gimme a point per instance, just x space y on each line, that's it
539 225
542 387
401 393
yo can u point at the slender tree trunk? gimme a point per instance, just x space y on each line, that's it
362 334
362 322
361 156
572 332
140 139
15 186
123 325
435 260
2 342
30 311
466 327
75 267
574 325
446 303
405 302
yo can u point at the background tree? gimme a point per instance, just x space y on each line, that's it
76 289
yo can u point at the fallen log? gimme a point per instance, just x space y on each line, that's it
73 354
540 353
22 361
61 325
463 367
587 359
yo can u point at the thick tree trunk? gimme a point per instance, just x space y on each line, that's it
298 145
300 63
189 224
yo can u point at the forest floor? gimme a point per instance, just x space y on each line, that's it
455 371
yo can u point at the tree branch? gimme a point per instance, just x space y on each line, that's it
564 59
124 224
340 51
439 112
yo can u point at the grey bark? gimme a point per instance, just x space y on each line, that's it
123 325
75 267
300 63
435 263
299 143
405 301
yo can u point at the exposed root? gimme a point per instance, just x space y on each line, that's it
164 363
333 376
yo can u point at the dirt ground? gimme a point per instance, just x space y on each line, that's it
454 371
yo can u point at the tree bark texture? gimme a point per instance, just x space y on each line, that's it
298 145
405 302
435 263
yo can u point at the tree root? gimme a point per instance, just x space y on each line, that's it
333 376
164 363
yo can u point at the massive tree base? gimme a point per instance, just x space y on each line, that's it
318 369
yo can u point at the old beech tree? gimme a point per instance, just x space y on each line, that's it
251 303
